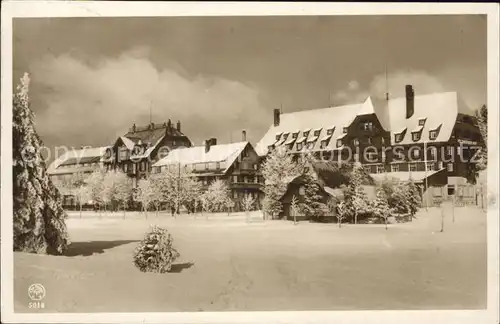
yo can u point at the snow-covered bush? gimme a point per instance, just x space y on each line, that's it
155 252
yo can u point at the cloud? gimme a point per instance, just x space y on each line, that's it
353 85
448 79
94 103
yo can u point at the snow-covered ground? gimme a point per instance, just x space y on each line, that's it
229 264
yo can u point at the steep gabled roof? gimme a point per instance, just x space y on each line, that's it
439 110
227 153
310 120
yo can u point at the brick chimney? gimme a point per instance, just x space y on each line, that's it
179 125
244 136
276 117
410 101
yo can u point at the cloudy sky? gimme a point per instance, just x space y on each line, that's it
92 78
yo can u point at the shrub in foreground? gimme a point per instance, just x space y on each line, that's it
155 252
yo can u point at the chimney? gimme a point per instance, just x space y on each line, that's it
152 125
133 128
207 145
276 117
179 125
169 124
410 101
244 136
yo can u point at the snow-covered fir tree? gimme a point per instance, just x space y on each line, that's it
39 218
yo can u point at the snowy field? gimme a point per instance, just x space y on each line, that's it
229 264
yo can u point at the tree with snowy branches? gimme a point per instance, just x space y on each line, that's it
39 218
278 170
380 207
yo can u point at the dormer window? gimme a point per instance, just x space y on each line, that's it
339 143
329 131
344 130
434 133
398 137
285 136
415 136
421 121
295 135
323 144
278 136
316 132
270 147
299 146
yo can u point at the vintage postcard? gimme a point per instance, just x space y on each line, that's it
249 162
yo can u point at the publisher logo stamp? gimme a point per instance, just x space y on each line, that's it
36 293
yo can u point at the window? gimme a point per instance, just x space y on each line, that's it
125 167
206 166
295 135
123 153
270 147
316 132
398 138
433 134
440 165
421 122
255 166
278 136
310 145
323 144
415 136
235 194
143 166
449 150
380 169
174 143
412 167
217 165
355 142
299 146
432 153
368 140
368 168
289 146
134 168
416 153
395 168
339 143
449 167
329 131
367 126
382 140
344 130
306 133
235 178
451 190
430 166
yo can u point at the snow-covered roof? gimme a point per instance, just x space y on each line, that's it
74 157
316 119
192 155
436 108
416 176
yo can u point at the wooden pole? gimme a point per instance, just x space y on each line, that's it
442 218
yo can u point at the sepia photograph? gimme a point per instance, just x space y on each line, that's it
202 162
